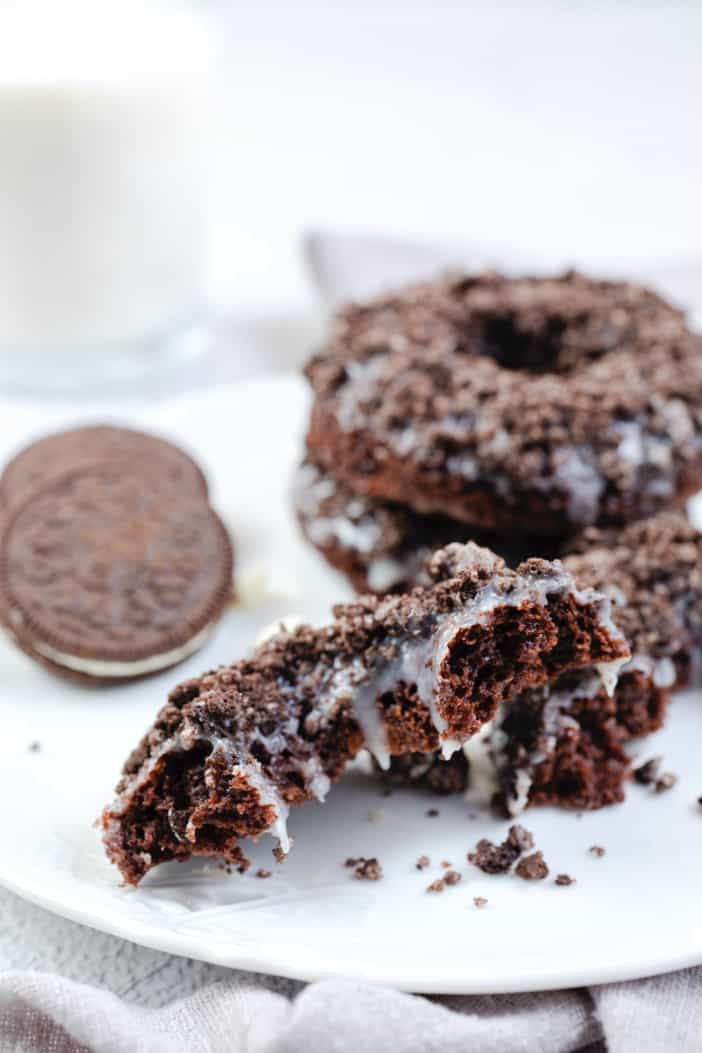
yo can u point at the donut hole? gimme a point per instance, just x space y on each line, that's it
536 349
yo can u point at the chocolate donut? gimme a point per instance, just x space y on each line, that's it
539 404
232 750
383 546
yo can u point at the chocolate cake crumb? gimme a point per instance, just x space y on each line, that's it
479 901
648 772
520 837
666 782
596 850
432 813
533 867
445 864
352 861
437 886
563 880
34 747
368 870
262 873
452 877
423 862
497 859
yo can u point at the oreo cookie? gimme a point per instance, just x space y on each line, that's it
115 569
68 451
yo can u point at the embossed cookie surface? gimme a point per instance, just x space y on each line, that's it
110 575
68 451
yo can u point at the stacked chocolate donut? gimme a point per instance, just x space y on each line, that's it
520 413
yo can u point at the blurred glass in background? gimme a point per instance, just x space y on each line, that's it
104 133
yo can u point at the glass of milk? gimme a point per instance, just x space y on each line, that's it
104 123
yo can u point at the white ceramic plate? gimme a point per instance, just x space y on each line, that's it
633 912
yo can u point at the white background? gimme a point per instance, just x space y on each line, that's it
568 130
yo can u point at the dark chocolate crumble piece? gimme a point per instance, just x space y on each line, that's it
479 901
437 886
563 880
452 877
263 873
648 772
432 813
533 867
597 851
423 862
368 870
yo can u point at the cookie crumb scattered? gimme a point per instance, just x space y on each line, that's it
648 772
532 867
563 880
452 877
666 782
352 861
263 873
368 870
479 901
437 886
597 851
432 813
497 859
423 862
444 864
520 837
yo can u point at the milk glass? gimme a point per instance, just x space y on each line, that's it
103 143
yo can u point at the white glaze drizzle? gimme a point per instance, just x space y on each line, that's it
419 661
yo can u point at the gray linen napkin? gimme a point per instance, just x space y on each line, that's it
148 1002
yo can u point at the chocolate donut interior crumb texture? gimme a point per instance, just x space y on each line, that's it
232 750
565 743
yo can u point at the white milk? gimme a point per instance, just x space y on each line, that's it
103 114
